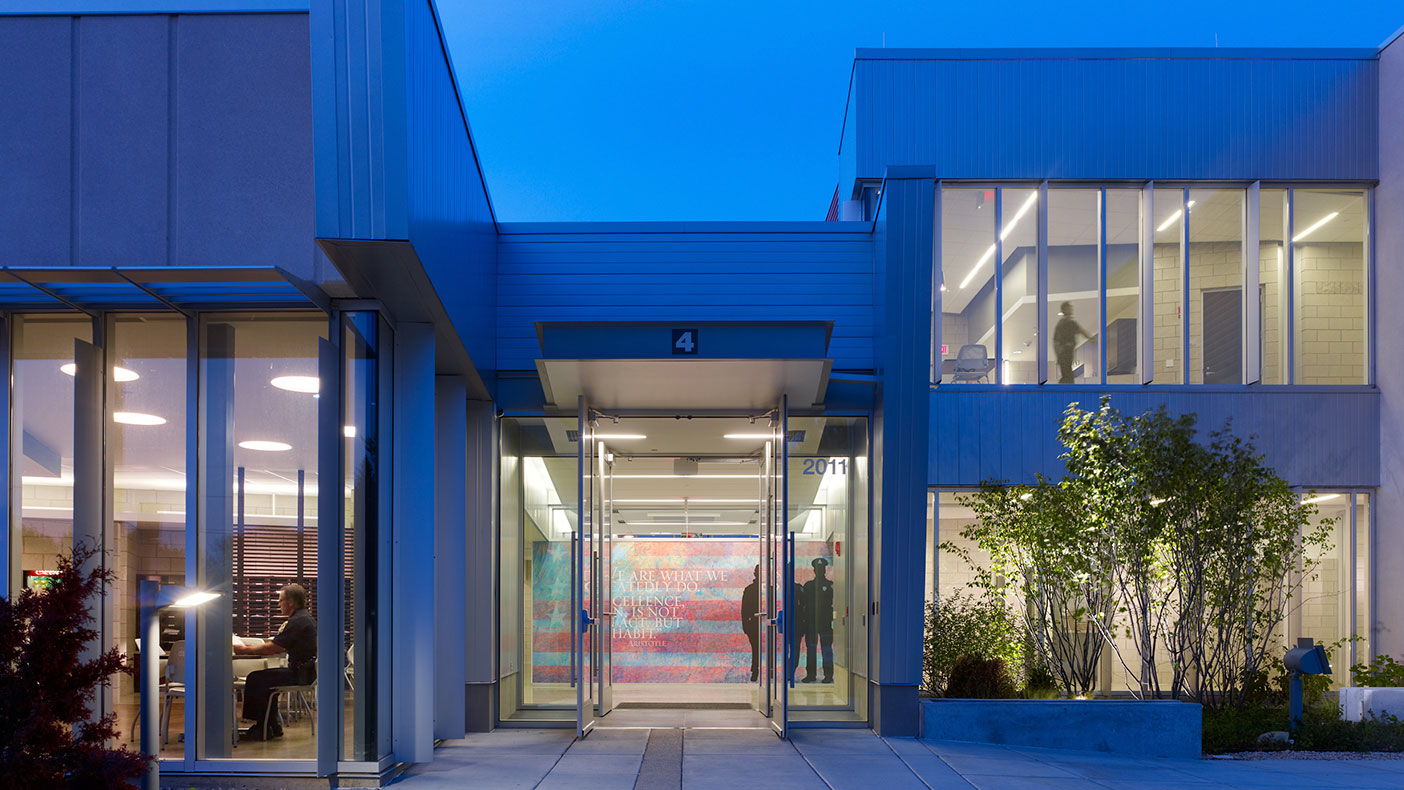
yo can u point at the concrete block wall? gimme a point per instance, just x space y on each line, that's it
1330 313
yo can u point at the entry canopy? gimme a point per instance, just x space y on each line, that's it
684 366
154 288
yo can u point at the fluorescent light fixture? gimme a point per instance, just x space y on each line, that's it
308 384
193 599
1321 498
1171 219
264 445
1004 234
748 436
1315 225
118 373
137 418
349 431
685 500
633 524
686 477
620 436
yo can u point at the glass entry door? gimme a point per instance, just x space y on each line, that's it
603 496
778 572
591 593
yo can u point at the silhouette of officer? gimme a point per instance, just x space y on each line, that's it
750 620
817 608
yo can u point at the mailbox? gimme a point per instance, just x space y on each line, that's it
1308 659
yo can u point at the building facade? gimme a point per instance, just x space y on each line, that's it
591 468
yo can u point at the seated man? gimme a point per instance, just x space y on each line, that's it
298 638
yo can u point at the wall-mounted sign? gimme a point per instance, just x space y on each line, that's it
685 342
40 580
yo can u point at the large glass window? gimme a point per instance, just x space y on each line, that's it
146 408
968 305
1168 312
1272 277
41 443
365 349
1123 282
1329 264
260 386
1074 286
1215 269
1019 275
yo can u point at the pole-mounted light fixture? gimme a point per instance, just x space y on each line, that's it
154 598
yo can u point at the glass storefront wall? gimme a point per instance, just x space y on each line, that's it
240 392
1312 297
684 548
1332 606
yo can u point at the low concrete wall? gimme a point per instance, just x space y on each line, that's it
1159 728
1360 703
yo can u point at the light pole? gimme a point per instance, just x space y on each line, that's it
153 599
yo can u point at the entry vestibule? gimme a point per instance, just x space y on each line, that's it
683 550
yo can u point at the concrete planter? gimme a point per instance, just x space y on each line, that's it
1157 728
1358 703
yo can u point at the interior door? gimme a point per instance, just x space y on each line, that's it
604 589
779 562
1222 333
585 553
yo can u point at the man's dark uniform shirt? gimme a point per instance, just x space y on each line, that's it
298 636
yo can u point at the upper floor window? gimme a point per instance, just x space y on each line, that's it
1077 284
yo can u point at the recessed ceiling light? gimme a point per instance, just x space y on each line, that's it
1316 225
265 446
308 384
118 373
620 436
137 418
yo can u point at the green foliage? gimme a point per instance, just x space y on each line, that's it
1237 729
964 625
1039 683
1156 545
973 677
1383 671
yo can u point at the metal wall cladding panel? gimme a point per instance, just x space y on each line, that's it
243 190
152 140
36 139
450 218
1313 438
685 276
1145 118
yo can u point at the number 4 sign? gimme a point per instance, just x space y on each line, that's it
685 342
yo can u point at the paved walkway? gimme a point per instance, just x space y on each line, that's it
700 759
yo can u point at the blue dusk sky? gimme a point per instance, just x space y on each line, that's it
728 110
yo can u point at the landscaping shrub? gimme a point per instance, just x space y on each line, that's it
963 625
1383 671
974 677
1158 545
1227 730
48 737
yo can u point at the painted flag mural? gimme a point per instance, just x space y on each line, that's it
677 607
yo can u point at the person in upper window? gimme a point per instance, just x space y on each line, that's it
1065 336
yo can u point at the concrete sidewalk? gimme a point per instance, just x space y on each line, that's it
701 759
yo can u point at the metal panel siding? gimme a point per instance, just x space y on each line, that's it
450 219
124 139
685 276
1313 438
1108 119
36 130
157 140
